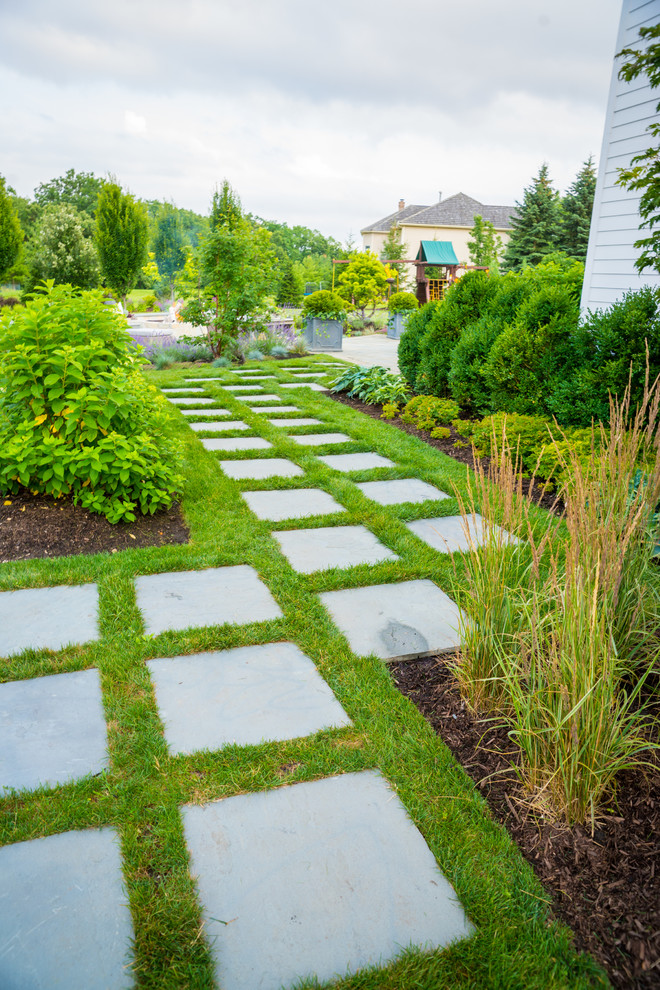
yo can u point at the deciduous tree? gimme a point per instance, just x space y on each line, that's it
60 251
484 245
78 189
643 175
363 281
11 235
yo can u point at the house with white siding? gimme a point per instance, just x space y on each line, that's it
610 266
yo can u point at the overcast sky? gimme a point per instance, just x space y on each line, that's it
323 114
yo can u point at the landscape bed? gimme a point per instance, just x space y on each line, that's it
518 943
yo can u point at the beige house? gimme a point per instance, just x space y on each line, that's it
447 220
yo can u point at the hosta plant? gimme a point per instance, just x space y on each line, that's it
372 385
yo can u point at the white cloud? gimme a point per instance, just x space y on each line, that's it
134 123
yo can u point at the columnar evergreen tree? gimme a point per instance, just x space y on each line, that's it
169 245
11 235
121 238
576 208
643 175
289 287
537 226
484 244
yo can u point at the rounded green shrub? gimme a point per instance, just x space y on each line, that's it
402 302
77 416
462 305
324 305
411 338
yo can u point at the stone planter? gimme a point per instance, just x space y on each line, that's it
396 325
323 335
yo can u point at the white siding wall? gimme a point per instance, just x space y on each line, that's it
610 268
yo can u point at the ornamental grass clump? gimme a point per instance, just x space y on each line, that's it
77 416
571 638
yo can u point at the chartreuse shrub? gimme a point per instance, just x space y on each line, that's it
426 412
324 305
76 415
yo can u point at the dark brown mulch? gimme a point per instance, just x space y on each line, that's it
462 453
37 526
606 887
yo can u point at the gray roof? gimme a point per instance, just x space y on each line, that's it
457 211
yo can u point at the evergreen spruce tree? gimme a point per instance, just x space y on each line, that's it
289 287
576 208
11 235
537 227
121 238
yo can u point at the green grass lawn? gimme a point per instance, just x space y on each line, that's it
517 944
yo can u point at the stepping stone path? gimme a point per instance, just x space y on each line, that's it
447 534
311 865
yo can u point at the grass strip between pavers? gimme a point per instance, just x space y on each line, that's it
517 944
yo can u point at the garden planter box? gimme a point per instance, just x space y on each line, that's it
396 325
323 335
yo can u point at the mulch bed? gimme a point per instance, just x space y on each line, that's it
37 526
605 887
462 453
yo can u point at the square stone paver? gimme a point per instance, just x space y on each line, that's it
447 534
48 618
65 923
236 443
173 391
268 410
253 397
303 421
52 731
229 424
309 550
314 387
245 696
356 462
401 490
212 597
265 467
396 621
243 388
293 503
316 879
193 400
320 439
205 412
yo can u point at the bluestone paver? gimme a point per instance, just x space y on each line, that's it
265 467
313 385
243 388
249 377
308 374
223 427
193 400
269 410
315 879
293 503
48 618
309 550
65 923
302 421
211 597
172 390
52 731
449 534
401 490
205 412
236 443
214 378
356 462
245 696
254 398
320 439
396 621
